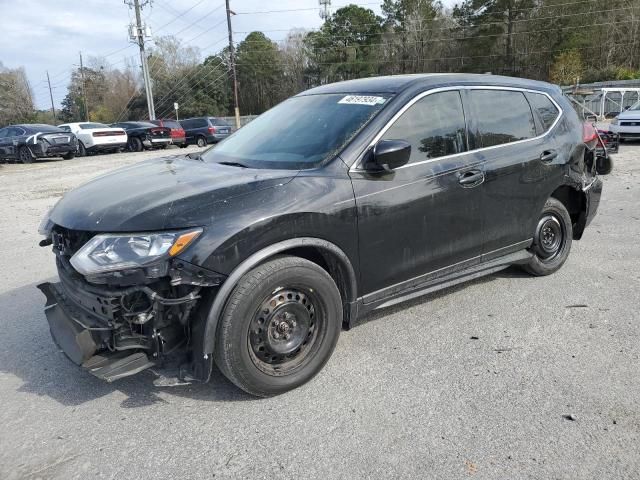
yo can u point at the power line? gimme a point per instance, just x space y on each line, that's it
284 10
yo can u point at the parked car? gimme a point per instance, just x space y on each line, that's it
28 142
178 135
205 130
627 123
96 137
144 135
346 198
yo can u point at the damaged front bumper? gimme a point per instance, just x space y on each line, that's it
117 331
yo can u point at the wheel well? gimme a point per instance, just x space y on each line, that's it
335 267
576 204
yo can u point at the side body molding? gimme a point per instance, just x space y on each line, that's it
225 290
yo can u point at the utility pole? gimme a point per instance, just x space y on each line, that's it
53 107
83 91
138 33
232 61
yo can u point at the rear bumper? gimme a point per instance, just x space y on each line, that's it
156 142
178 140
106 146
593 192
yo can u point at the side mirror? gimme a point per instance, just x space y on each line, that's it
390 154
604 164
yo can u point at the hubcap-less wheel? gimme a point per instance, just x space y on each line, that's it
550 237
202 142
25 155
284 331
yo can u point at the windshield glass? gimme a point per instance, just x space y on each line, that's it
89 126
635 106
301 132
44 128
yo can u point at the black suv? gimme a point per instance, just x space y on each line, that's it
343 199
205 130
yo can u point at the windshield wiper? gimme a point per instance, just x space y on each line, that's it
233 164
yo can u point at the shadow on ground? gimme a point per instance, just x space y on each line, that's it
28 352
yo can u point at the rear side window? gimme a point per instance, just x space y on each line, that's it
500 116
545 109
434 126
218 122
171 124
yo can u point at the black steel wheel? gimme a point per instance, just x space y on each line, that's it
24 155
201 141
551 240
280 326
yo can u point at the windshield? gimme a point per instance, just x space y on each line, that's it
89 126
301 132
635 106
44 129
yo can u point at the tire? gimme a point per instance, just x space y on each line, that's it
24 155
69 156
135 145
183 145
201 141
82 151
279 327
551 240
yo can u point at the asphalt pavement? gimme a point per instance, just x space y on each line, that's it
506 377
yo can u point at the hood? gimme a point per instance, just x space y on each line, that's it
629 115
166 193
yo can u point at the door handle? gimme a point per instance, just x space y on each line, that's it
548 155
471 178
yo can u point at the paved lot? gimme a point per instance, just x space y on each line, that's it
409 394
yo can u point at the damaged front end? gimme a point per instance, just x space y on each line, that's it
126 302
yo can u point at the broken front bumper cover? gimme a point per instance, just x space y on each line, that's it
77 333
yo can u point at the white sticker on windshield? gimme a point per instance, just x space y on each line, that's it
362 100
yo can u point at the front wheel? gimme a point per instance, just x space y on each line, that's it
279 327
82 151
69 156
24 155
551 240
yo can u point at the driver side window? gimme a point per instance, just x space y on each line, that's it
434 126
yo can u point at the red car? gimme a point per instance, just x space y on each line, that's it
178 136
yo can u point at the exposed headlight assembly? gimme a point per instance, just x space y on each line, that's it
113 252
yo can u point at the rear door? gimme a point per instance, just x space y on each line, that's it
521 164
420 221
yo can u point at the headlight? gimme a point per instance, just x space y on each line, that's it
614 121
108 253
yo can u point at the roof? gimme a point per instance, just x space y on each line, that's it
397 83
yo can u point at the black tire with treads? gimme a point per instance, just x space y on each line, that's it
235 351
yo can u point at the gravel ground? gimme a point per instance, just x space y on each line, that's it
506 377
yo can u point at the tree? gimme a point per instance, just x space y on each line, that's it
567 68
345 47
16 97
260 73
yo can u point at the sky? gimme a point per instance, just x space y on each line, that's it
49 34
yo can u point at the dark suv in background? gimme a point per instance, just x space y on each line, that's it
205 130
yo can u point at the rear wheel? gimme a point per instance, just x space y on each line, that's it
134 144
69 156
551 240
201 141
24 155
279 327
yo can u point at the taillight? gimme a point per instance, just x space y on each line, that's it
212 129
589 134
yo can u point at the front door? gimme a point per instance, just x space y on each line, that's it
426 216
